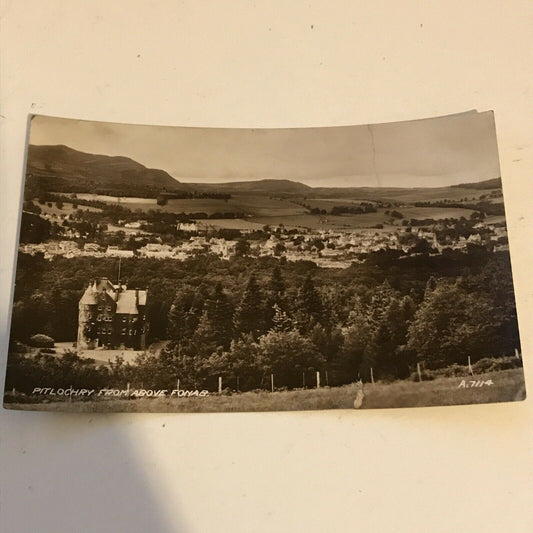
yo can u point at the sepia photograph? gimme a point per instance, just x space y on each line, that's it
178 269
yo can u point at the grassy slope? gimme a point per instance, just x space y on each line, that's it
250 204
508 386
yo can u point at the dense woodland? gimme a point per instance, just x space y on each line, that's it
246 318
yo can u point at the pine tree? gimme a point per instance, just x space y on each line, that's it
281 320
248 316
203 342
220 313
380 301
275 297
176 320
309 305
184 314
277 285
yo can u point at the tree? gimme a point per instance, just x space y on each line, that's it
422 247
203 341
309 303
242 248
281 320
33 228
220 313
452 324
185 313
240 361
177 318
287 354
380 300
387 347
279 249
495 282
248 316
275 296
356 341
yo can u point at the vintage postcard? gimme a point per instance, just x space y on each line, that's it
202 269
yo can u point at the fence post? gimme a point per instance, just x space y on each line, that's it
272 382
327 380
219 384
419 371
372 375
470 366
516 353
303 379
128 390
238 384
318 380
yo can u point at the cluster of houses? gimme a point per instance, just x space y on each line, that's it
327 248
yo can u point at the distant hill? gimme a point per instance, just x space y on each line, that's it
494 183
59 168
265 186
63 169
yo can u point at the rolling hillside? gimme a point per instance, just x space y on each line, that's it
60 168
265 186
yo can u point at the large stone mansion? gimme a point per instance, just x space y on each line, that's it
112 316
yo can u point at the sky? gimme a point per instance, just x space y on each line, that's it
432 152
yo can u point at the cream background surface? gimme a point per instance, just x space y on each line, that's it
270 64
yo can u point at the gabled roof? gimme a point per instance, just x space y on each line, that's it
126 300
89 297
127 303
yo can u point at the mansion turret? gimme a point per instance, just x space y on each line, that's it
112 316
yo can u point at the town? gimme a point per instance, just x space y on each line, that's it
327 248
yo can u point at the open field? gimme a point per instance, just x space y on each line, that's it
399 194
363 220
435 212
111 228
318 222
242 203
438 193
229 223
508 385
261 209
66 210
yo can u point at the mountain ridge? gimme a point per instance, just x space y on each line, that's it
69 168
65 169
